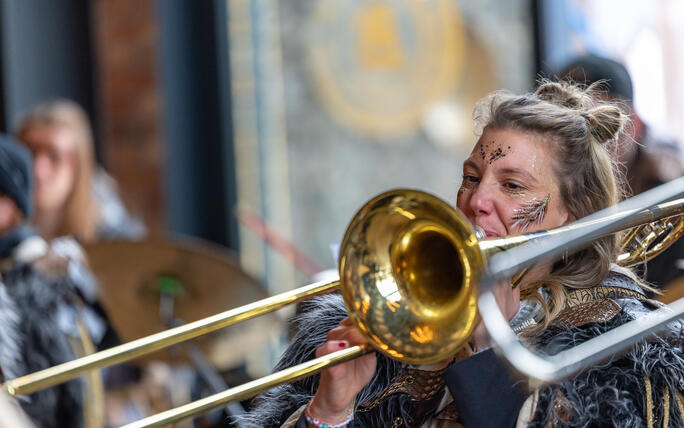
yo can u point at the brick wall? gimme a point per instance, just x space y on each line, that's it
126 46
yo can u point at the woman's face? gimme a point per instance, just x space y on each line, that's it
508 185
54 165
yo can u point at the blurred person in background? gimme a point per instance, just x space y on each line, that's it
648 158
73 196
49 312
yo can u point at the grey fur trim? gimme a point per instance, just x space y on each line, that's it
37 300
613 394
10 341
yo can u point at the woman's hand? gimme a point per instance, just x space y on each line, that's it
340 384
508 299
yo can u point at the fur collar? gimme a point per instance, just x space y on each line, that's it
30 340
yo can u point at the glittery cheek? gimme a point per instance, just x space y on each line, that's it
460 193
467 185
464 193
464 189
533 212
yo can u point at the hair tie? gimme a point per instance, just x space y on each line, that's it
593 130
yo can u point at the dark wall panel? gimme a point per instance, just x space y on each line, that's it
46 53
196 135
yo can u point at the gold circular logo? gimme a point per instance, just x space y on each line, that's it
376 65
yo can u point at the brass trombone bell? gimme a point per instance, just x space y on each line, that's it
409 263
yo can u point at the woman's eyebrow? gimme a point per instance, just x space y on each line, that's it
471 164
517 171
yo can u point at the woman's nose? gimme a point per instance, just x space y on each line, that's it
481 202
41 167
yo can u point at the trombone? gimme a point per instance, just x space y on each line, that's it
409 269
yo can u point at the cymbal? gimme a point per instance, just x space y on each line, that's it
203 279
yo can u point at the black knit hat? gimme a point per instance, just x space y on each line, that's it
16 174
591 68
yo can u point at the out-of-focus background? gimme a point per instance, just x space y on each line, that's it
262 126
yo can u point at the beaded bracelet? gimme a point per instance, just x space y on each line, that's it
318 424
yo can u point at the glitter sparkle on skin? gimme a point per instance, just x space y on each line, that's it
490 153
531 213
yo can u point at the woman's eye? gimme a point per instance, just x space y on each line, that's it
470 179
513 187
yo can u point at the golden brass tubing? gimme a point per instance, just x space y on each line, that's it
127 351
250 389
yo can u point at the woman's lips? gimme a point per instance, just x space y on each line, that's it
489 233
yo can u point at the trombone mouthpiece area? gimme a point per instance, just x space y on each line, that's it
479 232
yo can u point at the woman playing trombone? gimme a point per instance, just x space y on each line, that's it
542 160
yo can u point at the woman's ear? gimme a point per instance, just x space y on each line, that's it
570 218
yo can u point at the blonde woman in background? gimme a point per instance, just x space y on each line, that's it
73 196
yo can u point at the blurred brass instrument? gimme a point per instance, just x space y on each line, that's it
642 243
409 271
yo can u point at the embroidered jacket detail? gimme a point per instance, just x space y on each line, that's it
585 313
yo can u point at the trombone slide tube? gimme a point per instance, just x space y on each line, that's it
544 369
252 388
127 351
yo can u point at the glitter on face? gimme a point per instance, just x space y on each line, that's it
490 153
517 193
466 184
531 213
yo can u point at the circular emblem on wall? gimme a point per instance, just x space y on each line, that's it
376 65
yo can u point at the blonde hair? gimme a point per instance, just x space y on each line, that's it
80 216
582 132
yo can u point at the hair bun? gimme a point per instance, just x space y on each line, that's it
564 94
606 122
